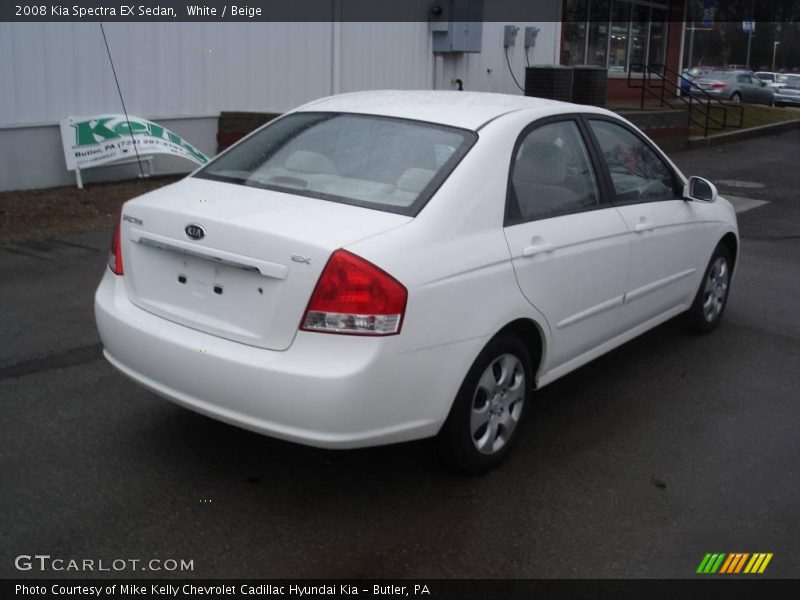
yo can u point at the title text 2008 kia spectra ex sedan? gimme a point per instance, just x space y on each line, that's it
385 266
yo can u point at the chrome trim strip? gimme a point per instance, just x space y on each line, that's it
265 268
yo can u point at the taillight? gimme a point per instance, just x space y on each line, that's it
115 252
353 296
718 86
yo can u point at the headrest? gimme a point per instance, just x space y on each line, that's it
306 161
414 180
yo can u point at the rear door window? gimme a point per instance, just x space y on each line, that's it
551 174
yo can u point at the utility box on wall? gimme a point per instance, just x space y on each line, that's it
456 25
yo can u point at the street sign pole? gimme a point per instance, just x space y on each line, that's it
751 25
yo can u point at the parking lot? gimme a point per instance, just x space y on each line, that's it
636 465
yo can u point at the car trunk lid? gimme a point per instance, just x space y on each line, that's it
250 274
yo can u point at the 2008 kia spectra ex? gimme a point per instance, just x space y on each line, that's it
385 266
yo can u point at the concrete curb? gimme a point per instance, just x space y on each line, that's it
744 134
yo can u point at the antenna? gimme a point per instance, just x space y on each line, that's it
121 99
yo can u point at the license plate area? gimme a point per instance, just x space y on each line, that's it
209 295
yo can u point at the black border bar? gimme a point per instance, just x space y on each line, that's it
701 587
362 10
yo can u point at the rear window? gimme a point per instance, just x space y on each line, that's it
383 163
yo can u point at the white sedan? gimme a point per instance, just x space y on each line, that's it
385 266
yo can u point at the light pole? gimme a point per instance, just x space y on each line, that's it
774 53
751 25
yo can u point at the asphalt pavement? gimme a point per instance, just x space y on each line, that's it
636 465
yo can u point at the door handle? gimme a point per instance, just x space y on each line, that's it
536 248
643 225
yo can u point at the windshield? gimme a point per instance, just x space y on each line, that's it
377 162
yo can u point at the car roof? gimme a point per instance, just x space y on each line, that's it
726 73
468 110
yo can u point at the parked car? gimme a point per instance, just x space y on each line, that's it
789 94
736 86
689 75
774 80
385 266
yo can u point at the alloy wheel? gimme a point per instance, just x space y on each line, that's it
497 404
716 289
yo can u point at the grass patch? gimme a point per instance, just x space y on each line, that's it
753 115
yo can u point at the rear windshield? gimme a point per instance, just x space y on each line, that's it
377 162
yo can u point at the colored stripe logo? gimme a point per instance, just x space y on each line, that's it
734 563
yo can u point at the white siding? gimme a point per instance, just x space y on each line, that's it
164 69
193 71
386 56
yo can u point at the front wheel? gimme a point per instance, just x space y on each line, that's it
485 418
712 297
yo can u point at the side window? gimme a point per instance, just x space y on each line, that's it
551 174
637 172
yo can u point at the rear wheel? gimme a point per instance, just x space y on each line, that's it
712 297
736 97
485 418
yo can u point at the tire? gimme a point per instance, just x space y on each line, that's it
736 97
712 296
486 415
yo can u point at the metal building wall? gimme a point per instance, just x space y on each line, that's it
184 74
165 69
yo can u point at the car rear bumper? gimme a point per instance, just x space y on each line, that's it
331 391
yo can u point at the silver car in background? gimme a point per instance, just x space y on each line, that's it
789 93
736 86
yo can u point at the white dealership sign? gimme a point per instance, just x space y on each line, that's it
113 138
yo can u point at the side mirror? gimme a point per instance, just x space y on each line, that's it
763 84
700 189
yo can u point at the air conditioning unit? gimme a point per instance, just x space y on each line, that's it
553 82
589 85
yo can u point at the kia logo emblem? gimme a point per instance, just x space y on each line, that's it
195 232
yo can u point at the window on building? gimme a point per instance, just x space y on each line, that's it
573 41
640 23
598 32
656 54
618 45
615 34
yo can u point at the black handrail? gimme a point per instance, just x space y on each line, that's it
698 98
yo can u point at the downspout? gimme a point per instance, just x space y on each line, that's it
683 38
336 47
